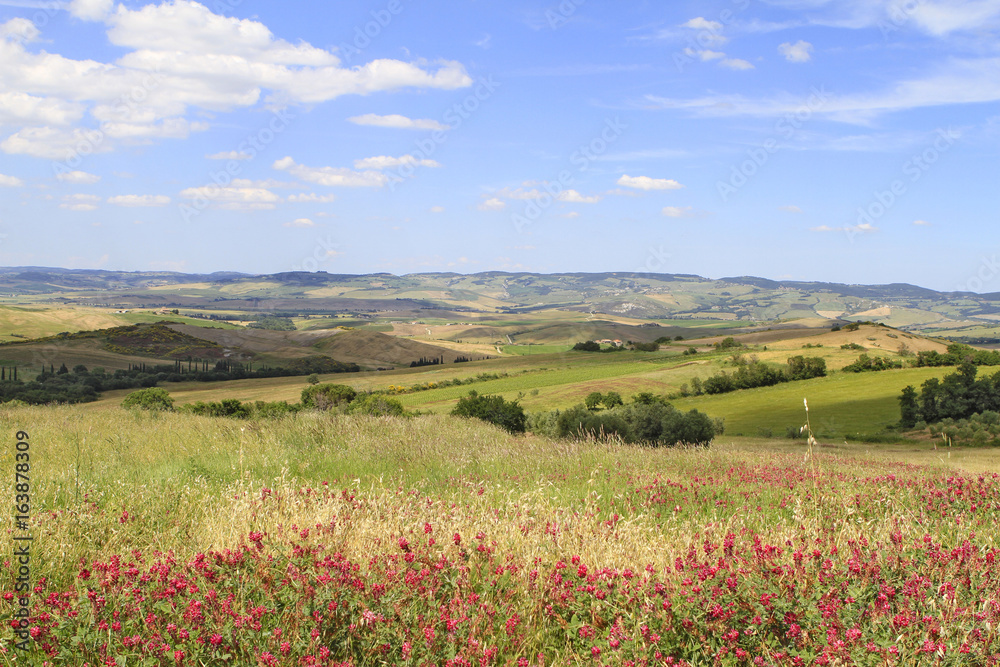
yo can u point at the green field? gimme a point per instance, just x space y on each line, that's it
841 406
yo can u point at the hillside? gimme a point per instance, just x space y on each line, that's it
365 348
120 347
637 296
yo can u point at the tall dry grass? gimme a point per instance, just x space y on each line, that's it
109 481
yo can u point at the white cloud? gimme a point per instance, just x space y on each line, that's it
139 201
238 199
736 63
229 155
955 81
385 162
647 183
18 108
790 209
80 202
397 121
182 59
701 23
922 223
90 10
10 181
863 228
53 144
521 193
311 198
939 18
569 216
301 222
528 192
709 32
677 211
704 54
332 176
437 209
78 177
267 183
574 197
20 29
493 204
799 52
946 16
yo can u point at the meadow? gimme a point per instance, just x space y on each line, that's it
327 539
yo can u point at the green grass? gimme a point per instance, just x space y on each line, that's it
436 514
841 405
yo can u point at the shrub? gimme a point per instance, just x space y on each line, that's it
273 410
327 396
648 420
804 368
866 364
587 346
508 415
153 398
228 407
376 405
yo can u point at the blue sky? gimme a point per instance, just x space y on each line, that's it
850 141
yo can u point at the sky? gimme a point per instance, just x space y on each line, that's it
850 141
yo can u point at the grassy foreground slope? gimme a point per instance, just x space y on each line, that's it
166 539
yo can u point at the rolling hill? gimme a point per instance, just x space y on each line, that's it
482 296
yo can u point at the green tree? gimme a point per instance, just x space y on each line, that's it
612 399
908 408
593 400
153 398
508 415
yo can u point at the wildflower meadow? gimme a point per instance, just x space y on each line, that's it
316 539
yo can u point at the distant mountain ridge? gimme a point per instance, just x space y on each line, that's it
642 296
